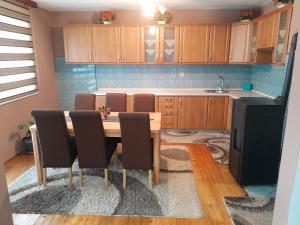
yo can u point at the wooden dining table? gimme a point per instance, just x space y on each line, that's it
112 129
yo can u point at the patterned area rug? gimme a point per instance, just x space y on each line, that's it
250 211
218 141
176 196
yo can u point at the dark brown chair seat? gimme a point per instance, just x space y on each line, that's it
85 101
58 150
137 145
94 150
143 103
116 101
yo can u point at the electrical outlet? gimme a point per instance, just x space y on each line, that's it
181 74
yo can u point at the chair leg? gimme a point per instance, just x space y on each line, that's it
150 179
105 178
44 177
124 178
70 177
81 177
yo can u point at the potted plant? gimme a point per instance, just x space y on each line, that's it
27 141
162 18
246 15
107 17
282 3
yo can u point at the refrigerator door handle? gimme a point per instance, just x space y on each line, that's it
234 140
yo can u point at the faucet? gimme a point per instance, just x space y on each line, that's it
220 83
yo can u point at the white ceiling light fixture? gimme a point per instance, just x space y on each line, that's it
149 7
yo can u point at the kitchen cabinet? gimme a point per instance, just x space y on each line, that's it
168 106
160 44
130 44
219 43
240 43
106 44
217 112
193 112
282 35
265 35
194 44
78 44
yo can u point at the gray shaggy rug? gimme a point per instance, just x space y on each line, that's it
218 141
175 196
250 211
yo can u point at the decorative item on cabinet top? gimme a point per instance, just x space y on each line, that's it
246 15
282 3
107 17
163 18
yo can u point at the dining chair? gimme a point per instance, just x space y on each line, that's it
143 103
84 101
94 149
137 144
58 150
116 101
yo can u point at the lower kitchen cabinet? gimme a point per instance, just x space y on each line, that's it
189 112
192 112
217 112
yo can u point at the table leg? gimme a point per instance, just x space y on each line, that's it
37 157
156 158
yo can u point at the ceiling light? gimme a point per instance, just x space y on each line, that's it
148 7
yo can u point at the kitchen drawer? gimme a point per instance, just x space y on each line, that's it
165 99
169 122
169 112
167 106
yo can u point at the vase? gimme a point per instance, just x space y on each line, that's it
107 22
245 20
280 5
161 22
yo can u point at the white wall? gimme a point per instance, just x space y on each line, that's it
291 145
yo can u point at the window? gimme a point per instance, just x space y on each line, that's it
18 76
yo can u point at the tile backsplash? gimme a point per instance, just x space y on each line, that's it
74 78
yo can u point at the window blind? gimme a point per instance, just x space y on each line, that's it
18 76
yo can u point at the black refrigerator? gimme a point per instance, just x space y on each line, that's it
256 135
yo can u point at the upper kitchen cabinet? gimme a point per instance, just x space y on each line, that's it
282 38
130 44
194 44
106 44
160 44
240 43
168 44
219 43
265 36
78 44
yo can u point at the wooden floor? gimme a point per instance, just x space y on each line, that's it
213 183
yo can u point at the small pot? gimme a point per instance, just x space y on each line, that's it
27 141
161 22
107 22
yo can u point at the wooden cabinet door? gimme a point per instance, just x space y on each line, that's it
192 112
106 44
130 44
217 113
266 32
219 43
194 44
78 44
168 44
240 43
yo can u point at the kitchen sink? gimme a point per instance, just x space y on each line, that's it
214 91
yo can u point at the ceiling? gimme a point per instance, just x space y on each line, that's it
96 5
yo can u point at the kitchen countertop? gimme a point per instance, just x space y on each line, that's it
234 93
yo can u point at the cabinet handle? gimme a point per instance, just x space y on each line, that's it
230 56
90 58
161 57
118 58
123 58
180 58
157 57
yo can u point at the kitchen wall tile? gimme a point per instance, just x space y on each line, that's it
74 78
